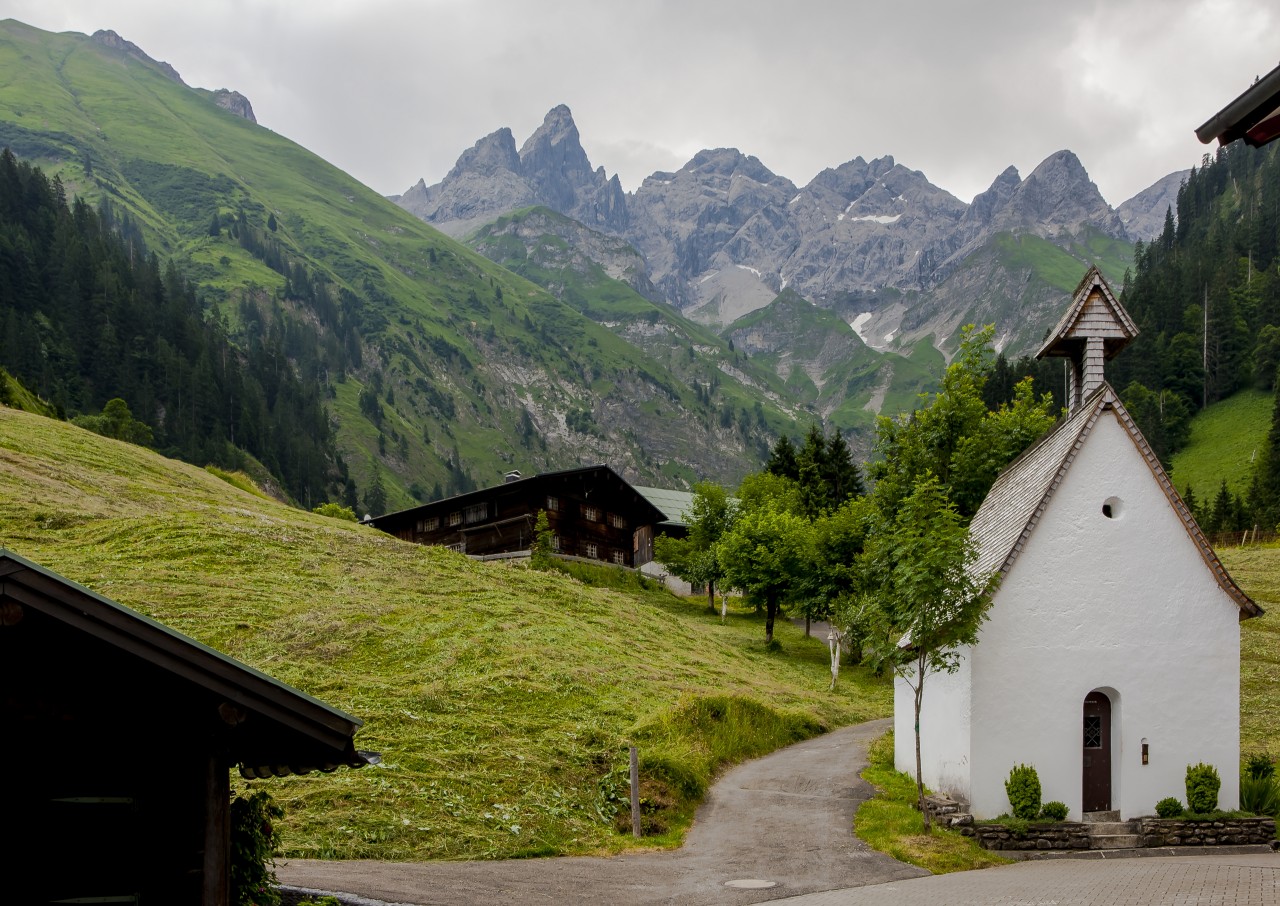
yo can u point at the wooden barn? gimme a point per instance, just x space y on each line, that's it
592 512
119 736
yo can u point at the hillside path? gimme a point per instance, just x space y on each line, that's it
785 818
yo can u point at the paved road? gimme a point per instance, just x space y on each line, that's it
785 819
1252 880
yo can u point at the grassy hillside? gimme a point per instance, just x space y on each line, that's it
1257 570
479 369
501 698
1225 438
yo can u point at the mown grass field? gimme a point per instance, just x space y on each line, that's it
502 699
1257 571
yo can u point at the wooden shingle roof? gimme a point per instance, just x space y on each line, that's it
1094 311
1018 499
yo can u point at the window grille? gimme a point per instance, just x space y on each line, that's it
553 504
617 521
591 549
429 525
591 513
618 558
1092 731
477 512
455 518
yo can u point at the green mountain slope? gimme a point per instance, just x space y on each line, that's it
1226 439
466 370
501 699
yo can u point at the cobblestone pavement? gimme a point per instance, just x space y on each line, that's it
1244 880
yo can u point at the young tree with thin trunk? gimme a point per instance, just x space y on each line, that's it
928 599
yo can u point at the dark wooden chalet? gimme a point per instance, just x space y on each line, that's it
118 739
592 512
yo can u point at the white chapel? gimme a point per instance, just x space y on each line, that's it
1111 657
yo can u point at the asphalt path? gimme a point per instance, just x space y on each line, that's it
784 820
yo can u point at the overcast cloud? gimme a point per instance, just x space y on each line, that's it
394 91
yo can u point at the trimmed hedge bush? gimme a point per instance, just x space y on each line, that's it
1203 784
1169 807
1054 811
1023 789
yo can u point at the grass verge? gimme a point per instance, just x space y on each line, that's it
891 823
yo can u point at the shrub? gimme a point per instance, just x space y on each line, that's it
336 511
1169 807
1260 795
1054 811
1260 766
1202 787
255 841
1023 789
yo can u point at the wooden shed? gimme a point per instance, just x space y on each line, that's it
119 736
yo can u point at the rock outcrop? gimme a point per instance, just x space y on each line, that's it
1143 214
234 102
108 38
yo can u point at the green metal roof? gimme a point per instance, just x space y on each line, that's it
677 506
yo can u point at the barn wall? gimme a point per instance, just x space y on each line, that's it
1124 604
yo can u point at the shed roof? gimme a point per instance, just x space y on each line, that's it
1020 495
275 728
1254 116
646 511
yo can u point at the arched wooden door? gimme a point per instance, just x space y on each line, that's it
1097 753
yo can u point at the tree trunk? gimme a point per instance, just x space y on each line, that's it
919 698
806 625
770 613
711 596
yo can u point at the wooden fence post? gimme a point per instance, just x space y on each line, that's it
635 792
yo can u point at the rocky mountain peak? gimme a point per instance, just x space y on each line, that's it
1058 197
234 102
1143 214
108 38
494 153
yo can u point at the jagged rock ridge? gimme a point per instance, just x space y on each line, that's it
724 235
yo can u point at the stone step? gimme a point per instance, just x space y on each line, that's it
1115 841
1094 817
1096 828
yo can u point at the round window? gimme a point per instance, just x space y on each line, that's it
1112 508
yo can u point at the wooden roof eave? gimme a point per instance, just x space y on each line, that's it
1102 399
76 606
1093 279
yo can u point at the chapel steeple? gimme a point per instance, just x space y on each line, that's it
1093 331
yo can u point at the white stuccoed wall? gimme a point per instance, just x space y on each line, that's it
1125 605
944 730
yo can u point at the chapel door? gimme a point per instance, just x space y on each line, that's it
1097 753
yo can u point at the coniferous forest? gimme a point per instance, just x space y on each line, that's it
88 315
1206 297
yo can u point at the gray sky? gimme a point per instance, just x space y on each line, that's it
394 90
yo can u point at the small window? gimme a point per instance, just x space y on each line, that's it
591 513
1093 731
555 543
429 525
553 504
477 512
591 549
619 558
455 518
617 521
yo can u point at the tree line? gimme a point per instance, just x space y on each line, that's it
88 315
1205 295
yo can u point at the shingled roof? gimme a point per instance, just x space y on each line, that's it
1017 501
1092 301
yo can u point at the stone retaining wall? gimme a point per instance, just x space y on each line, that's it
1058 835
1224 832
